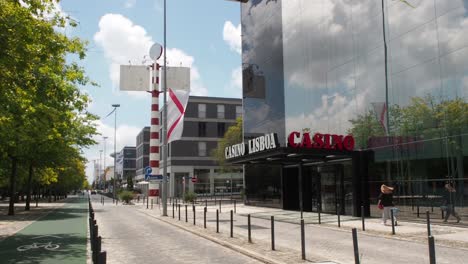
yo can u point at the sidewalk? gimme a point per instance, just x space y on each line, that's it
324 242
58 237
10 225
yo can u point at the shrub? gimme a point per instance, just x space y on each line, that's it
190 196
126 196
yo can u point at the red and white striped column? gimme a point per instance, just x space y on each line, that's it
153 189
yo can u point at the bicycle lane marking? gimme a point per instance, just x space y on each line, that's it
59 237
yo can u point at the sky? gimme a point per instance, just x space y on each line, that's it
204 35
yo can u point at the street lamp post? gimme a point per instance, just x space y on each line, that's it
164 189
115 147
104 159
100 168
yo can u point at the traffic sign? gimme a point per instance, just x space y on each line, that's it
194 179
155 177
148 170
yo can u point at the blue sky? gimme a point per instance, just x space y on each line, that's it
204 35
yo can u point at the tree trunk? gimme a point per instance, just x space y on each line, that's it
11 208
28 187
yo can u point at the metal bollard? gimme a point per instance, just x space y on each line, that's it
442 213
363 219
194 214
428 222
102 259
179 211
186 216
151 203
432 257
173 211
339 219
232 225
303 240
217 221
147 199
37 201
249 229
355 246
272 233
393 222
417 210
204 217
319 216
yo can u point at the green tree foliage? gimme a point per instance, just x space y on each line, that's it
43 116
232 136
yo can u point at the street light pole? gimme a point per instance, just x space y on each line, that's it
115 147
165 147
100 166
104 156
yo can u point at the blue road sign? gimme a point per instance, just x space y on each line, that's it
148 170
155 177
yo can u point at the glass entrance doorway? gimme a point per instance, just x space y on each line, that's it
333 189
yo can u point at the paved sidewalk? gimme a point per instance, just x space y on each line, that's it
325 242
58 237
9 225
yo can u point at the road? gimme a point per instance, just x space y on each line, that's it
132 237
59 237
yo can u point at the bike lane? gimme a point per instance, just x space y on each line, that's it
59 237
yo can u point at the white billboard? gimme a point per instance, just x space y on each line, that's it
134 78
178 78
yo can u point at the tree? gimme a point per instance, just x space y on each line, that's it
232 136
42 109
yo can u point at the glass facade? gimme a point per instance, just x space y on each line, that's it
323 64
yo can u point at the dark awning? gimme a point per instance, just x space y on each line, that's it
291 156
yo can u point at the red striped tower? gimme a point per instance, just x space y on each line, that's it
154 131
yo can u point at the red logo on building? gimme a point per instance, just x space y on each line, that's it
321 141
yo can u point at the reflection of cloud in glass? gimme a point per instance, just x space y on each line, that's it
333 50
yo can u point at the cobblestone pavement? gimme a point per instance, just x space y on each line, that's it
130 236
10 225
323 242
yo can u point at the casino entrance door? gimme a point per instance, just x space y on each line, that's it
325 187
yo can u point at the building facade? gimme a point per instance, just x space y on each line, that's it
126 163
142 153
392 77
205 122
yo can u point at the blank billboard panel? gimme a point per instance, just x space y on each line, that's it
134 78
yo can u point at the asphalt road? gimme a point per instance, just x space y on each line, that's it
132 237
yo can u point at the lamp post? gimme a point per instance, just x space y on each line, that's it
100 168
104 158
115 147
164 131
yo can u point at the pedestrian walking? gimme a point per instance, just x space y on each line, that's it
449 203
385 203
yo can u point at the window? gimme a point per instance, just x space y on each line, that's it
220 111
238 111
202 129
221 129
201 149
202 110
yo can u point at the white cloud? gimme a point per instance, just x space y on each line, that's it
130 3
232 36
124 42
235 84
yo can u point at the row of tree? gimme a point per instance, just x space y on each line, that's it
44 121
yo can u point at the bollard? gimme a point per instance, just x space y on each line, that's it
194 214
217 221
102 259
442 213
37 201
179 211
303 240
151 204
432 257
272 233
363 219
339 219
147 198
138 199
355 246
249 230
428 222
393 222
186 216
173 211
319 216
234 206
204 217
232 225
417 210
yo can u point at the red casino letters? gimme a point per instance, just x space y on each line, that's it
320 141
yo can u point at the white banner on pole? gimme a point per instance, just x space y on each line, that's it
176 106
134 78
